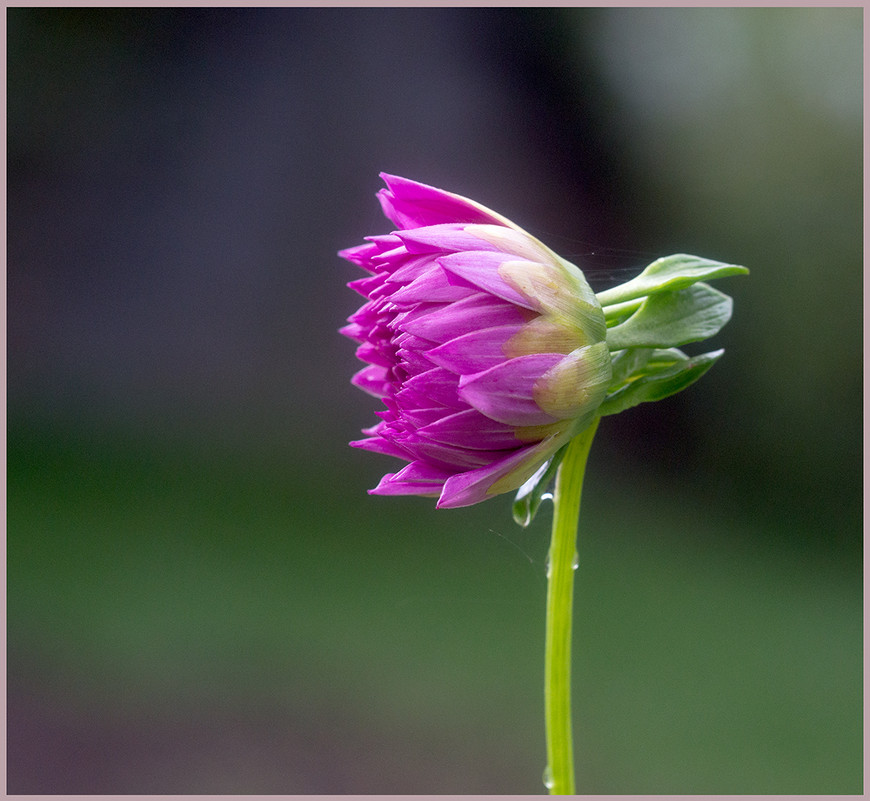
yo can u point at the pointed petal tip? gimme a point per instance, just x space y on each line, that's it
392 484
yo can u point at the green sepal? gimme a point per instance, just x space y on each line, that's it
625 364
634 363
618 313
671 319
531 494
669 273
666 374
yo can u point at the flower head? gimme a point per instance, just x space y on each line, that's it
488 350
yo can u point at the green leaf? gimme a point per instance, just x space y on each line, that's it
668 274
666 381
671 319
531 494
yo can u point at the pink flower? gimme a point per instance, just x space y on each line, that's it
487 348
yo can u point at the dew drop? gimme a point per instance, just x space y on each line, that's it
548 565
576 563
548 778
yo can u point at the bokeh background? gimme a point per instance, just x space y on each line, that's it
202 598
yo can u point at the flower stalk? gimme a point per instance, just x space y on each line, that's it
559 776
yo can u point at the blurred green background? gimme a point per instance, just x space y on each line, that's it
201 596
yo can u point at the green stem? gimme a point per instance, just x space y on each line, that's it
560 598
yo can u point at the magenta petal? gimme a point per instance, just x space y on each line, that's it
390 257
410 343
393 484
361 255
354 331
445 238
420 418
474 351
423 473
412 363
410 204
370 255
372 379
447 321
369 286
411 269
431 286
479 268
368 315
471 429
504 392
438 385
375 430
375 353
381 445
420 471
401 319
452 457
470 487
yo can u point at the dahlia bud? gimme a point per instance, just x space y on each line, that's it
491 352
488 350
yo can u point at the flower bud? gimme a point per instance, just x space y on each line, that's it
488 350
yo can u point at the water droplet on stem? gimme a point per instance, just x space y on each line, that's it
549 782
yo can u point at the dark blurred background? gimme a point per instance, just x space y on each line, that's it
201 596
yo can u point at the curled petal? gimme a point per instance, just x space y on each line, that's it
448 456
413 205
354 331
408 343
475 351
369 286
411 363
506 392
381 445
419 419
442 322
503 475
361 255
446 238
376 352
411 269
430 287
480 269
416 478
373 379
436 385
473 429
